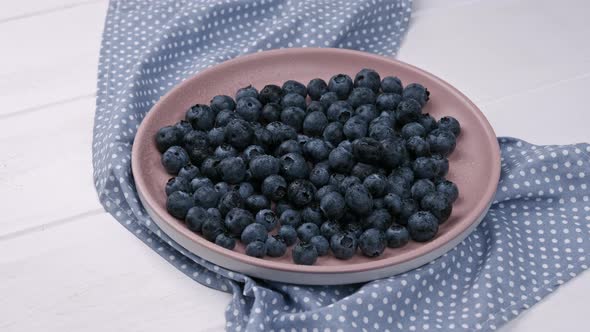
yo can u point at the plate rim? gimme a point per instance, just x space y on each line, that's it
436 244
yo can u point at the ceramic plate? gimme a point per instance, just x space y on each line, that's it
474 166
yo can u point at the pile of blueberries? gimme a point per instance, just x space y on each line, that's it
358 167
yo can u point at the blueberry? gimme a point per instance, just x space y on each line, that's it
408 208
267 218
304 254
315 123
257 202
340 160
222 102
438 204
361 96
348 182
315 106
413 129
451 124
319 176
312 214
397 236
449 189
281 132
174 159
256 249
380 131
288 233
406 173
301 192
195 217
209 168
225 241
417 147
388 102
339 111
372 242
346 145
425 168
392 84
398 185
362 170
216 136
199 182
333 133
306 231
294 166
393 152
355 127
184 127
214 213
421 188
237 219
224 117
211 228
378 203
264 166
196 139
393 203
336 180
329 228
368 112
422 226
251 152
201 117
359 200
416 92
316 88
442 142
275 246
368 78
270 94
316 150
230 200
290 217
293 100
249 108
239 133
274 187
252 231
177 184
248 91
321 244
367 150
340 84
167 137
245 189
333 206
343 245
206 197
232 169
352 227
376 184
428 122
443 165
292 86
408 111
324 190
379 219
224 151
271 112
328 99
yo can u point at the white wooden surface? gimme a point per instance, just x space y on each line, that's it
525 63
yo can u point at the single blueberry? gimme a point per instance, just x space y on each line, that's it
274 187
416 92
316 150
194 218
449 189
408 208
417 147
340 84
248 91
388 102
425 168
270 94
224 117
179 203
294 166
230 200
239 133
408 111
281 132
328 99
312 214
442 142
315 106
376 184
361 96
372 242
421 188
381 131
211 228
320 176
359 200
288 233
343 245
355 127
216 136
391 84
256 248
293 100
397 236
316 88
177 184
201 117
348 182
339 111
329 228
422 226
232 170
315 123
301 192
367 150
174 159
167 137
267 218
333 206
307 230
333 133
253 232
264 166
378 218
275 246
271 112
290 217
292 86
368 78
249 108
199 182
251 152
413 129
321 244
184 127
225 241
443 165
438 204
340 160
206 197
368 112
393 203
257 202
304 254
428 122
222 102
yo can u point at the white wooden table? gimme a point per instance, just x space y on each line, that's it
525 63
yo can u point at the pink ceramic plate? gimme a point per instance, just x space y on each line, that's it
474 166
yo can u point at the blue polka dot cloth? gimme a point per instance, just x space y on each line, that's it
534 238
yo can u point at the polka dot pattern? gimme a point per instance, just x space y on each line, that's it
534 238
